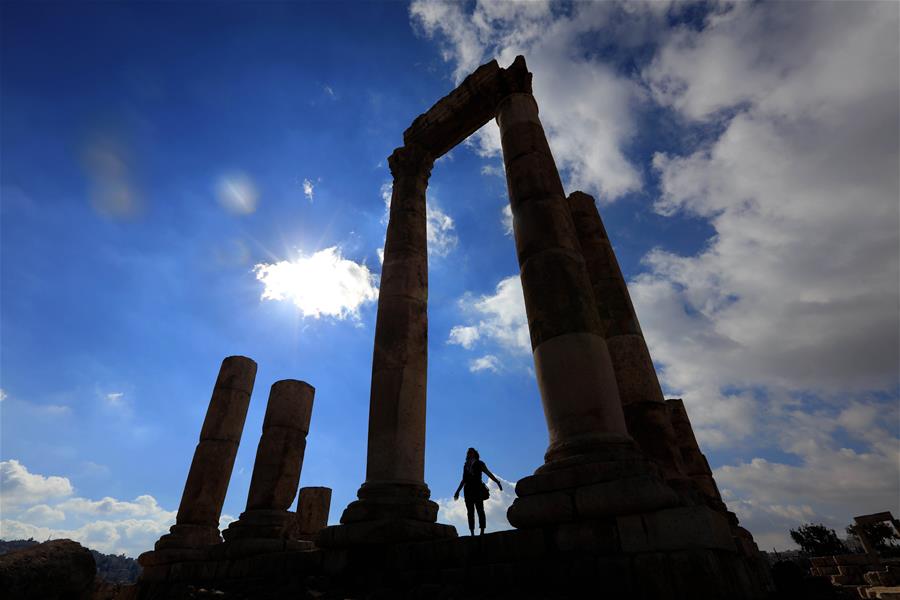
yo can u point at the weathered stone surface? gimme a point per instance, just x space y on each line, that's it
624 496
58 569
586 473
541 509
558 299
406 273
648 423
542 224
634 369
532 177
313 507
573 390
679 528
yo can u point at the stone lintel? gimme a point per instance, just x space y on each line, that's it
875 518
463 111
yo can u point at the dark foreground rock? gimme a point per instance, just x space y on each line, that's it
59 569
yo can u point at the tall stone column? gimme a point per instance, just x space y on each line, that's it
572 363
394 500
639 390
279 459
592 467
197 522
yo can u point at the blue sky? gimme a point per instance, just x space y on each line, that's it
162 165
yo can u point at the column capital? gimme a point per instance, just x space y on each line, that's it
515 79
410 160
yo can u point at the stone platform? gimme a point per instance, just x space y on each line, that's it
679 553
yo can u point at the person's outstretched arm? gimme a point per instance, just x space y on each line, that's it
491 475
456 493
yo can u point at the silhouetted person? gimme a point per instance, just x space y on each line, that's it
474 491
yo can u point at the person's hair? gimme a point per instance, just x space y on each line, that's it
477 457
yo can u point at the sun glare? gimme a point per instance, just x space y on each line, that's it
322 284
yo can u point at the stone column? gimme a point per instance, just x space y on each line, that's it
639 390
394 500
313 507
197 522
572 363
592 466
279 459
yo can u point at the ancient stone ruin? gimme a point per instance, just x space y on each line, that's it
865 575
624 504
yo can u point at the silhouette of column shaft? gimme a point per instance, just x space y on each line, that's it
396 450
572 362
279 459
395 463
197 522
279 456
639 390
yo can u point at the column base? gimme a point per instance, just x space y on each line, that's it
259 524
613 481
185 536
387 512
391 500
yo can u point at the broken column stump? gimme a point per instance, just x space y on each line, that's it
313 507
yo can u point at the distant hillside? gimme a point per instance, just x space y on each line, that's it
112 568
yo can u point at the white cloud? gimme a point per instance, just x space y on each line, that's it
114 398
31 503
488 362
493 170
42 513
21 487
454 511
142 506
237 193
51 410
785 323
507 220
2 395
322 284
308 189
500 318
439 227
464 336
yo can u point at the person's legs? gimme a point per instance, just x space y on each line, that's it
480 506
470 513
